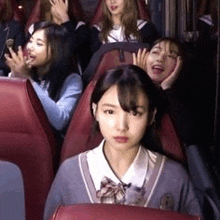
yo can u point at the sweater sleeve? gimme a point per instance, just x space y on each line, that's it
57 191
59 113
175 191
67 188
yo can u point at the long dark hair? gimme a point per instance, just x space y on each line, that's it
58 68
6 13
130 80
128 19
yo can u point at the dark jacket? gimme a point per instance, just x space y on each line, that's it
11 30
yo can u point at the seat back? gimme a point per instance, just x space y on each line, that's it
12 205
116 212
27 140
172 146
80 136
144 13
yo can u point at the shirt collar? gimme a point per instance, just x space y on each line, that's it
99 167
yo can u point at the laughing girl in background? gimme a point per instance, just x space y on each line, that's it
120 23
47 66
163 62
121 170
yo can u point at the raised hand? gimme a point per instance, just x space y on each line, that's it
59 11
141 58
19 65
168 82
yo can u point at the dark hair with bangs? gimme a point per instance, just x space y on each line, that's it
130 80
172 42
128 19
58 67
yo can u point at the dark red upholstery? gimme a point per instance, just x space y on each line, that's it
97 17
170 141
26 139
116 212
79 136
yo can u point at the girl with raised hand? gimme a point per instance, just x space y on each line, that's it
68 14
162 61
121 170
121 23
47 66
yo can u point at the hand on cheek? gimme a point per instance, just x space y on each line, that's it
141 58
168 82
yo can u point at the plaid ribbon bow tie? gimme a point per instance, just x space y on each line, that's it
111 193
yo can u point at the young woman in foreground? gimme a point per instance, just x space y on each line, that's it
121 170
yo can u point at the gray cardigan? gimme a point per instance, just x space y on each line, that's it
169 187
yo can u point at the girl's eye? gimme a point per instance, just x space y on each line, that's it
136 113
171 56
154 52
109 112
39 44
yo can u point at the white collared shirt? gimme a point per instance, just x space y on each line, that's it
136 173
117 33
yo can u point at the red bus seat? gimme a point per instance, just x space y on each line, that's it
27 140
116 212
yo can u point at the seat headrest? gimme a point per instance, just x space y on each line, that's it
116 212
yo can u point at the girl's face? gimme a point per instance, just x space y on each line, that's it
115 7
161 61
37 49
122 130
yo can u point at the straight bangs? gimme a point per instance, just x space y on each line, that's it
173 47
128 91
130 81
